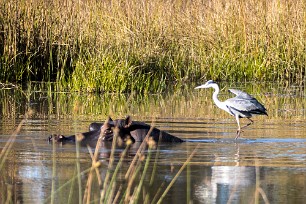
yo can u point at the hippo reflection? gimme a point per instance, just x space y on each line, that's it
127 129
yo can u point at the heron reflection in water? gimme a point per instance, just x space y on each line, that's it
241 106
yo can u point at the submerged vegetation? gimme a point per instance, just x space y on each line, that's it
120 46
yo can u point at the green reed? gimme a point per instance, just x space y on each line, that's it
282 102
149 46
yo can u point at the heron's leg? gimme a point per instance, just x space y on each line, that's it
239 128
251 122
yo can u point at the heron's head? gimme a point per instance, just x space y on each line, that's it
208 84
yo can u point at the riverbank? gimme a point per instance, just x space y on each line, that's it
153 45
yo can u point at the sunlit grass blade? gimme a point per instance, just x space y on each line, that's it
8 145
110 187
69 182
177 175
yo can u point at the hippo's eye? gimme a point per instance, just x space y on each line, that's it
108 131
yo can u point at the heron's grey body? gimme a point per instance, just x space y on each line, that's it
241 106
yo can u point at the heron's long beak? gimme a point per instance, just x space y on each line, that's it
200 87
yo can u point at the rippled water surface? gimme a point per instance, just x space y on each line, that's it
267 164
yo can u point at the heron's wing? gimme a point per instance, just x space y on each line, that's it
250 105
241 94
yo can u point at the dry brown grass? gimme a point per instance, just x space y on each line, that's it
132 45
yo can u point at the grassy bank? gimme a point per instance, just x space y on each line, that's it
151 45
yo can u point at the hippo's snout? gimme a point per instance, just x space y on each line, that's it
56 138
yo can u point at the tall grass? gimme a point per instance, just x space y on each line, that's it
151 45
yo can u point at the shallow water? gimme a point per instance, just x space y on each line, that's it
269 158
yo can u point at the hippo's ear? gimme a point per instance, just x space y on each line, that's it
108 122
128 121
109 119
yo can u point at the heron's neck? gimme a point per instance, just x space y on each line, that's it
215 97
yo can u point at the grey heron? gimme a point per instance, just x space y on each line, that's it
241 106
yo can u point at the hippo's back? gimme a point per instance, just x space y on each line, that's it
139 130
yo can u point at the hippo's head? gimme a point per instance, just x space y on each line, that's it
120 127
57 138
107 132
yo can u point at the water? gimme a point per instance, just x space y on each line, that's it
268 164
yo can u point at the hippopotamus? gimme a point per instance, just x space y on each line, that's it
137 131
127 129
